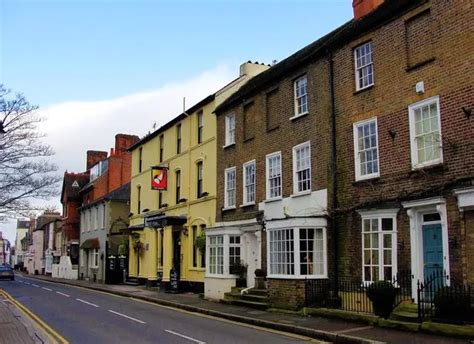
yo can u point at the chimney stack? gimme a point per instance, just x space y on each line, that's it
364 7
93 157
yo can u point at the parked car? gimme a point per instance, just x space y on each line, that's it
6 272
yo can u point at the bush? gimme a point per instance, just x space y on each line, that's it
452 303
382 294
200 242
259 273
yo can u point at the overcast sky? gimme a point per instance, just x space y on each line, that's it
98 68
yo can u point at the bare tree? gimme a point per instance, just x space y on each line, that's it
25 172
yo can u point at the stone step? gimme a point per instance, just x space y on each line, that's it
256 298
407 307
232 296
404 316
262 292
236 290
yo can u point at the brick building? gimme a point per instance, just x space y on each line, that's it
378 113
403 90
104 208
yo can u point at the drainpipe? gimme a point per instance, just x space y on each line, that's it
334 204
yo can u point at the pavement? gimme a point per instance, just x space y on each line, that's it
331 330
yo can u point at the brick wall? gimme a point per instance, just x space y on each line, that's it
447 74
286 294
281 135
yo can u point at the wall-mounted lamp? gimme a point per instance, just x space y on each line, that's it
393 133
261 220
467 112
185 231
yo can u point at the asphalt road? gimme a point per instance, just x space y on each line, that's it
86 316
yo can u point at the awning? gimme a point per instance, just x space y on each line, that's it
128 230
91 243
160 221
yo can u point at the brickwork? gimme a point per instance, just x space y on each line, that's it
286 294
469 242
282 136
446 74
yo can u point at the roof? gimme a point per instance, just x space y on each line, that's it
387 11
120 194
72 184
171 123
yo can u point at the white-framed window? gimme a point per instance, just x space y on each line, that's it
216 254
230 129
297 252
94 258
234 251
274 178
425 133
249 179
379 245
301 95
229 192
302 168
364 66
366 151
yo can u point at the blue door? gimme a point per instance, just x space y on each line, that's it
432 250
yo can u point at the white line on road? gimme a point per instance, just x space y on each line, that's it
27 283
35 285
58 292
88 303
185 337
46 289
126 316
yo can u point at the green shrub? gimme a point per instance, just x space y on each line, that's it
382 294
259 273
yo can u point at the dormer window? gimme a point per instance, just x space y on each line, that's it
98 169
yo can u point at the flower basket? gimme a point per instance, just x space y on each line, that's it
200 242
382 294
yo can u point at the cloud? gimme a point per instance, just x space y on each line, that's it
73 127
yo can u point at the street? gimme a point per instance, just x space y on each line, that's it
85 316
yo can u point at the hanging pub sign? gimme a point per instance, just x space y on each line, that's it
159 178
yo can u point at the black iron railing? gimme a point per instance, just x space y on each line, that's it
352 296
440 300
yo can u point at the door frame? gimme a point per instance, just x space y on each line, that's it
415 211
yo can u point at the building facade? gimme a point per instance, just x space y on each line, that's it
165 224
21 231
104 210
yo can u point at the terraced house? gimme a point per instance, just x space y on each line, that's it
165 224
352 159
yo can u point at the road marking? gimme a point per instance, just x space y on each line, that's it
27 283
58 292
46 289
35 285
126 316
185 337
88 303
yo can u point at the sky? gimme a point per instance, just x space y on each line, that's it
101 67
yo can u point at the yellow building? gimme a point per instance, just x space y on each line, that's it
165 224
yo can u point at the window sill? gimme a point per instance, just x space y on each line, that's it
248 139
229 145
275 199
299 116
364 89
247 204
437 168
367 181
269 130
229 208
197 269
367 178
300 194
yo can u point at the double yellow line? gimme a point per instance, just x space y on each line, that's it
52 335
